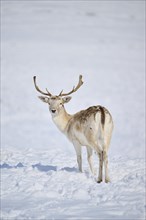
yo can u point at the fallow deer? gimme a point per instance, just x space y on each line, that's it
91 127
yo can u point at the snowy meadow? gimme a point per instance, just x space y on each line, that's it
56 41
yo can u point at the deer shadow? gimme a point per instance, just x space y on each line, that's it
7 166
44 168
47 168
40 167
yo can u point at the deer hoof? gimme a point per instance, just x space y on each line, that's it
107 181
99 180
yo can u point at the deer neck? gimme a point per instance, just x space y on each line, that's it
61 120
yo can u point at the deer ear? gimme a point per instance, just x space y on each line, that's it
66 99
44 99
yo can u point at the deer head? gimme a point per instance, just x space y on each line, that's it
56 102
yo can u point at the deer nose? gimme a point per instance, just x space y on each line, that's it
53 110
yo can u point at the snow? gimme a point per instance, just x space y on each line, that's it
44 186
56 41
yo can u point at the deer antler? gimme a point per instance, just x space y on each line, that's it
37 88
74 88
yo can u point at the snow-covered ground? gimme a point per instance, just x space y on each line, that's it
57 41
47 185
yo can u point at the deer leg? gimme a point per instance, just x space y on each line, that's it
90 159
79 155
105 159
100 167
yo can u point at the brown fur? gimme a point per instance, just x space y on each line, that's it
54 97
102 115
83 115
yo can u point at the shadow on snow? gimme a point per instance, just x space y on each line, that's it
40 167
